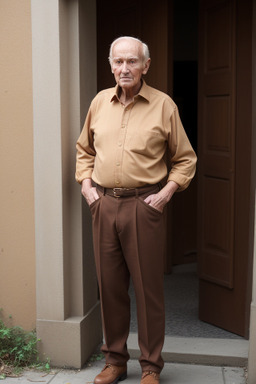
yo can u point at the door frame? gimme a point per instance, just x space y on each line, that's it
56 322
64 82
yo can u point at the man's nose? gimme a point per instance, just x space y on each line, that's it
125 67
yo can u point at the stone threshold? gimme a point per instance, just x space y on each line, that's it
202 351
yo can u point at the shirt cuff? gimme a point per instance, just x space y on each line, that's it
80 176
181 180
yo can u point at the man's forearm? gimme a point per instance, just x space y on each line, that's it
168 190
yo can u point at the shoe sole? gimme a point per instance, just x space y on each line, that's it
120 378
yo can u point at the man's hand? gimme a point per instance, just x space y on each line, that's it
89 192
160 199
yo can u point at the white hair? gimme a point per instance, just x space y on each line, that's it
145 50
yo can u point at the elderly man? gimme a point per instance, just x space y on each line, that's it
120 164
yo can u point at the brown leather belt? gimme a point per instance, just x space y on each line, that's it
126 192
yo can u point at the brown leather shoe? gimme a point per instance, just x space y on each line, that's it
111 374
149 377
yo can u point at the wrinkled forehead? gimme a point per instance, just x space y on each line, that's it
127 49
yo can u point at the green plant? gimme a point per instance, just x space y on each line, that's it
96 357
18 349
17 346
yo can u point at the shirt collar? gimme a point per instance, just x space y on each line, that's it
144 92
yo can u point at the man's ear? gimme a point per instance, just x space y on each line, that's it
146 66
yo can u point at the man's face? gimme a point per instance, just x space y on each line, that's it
128 65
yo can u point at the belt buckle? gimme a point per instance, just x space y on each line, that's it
116 190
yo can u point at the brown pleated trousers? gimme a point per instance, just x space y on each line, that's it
128 237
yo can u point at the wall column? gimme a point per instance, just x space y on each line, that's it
252 344
64 82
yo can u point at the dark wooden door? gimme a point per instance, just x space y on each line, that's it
223 260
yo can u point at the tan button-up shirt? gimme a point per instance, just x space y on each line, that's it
125 146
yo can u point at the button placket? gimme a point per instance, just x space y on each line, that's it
120 145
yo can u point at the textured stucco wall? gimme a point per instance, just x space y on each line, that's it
17 248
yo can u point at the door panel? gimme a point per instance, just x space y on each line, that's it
217 263
216 133
219 19
223 289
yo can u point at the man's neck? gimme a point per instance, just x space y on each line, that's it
127 94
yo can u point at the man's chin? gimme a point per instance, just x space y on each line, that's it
126 83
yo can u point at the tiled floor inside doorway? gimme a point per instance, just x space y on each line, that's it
181 302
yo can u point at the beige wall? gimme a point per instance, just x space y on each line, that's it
17 248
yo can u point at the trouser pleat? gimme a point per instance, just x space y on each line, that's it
129 241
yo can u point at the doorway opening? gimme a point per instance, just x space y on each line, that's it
182 284
181 307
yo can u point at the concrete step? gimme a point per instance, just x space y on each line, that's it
203 351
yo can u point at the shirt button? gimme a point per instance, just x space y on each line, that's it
123 126
119 144
117 182
118 164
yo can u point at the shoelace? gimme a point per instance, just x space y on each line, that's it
108 366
